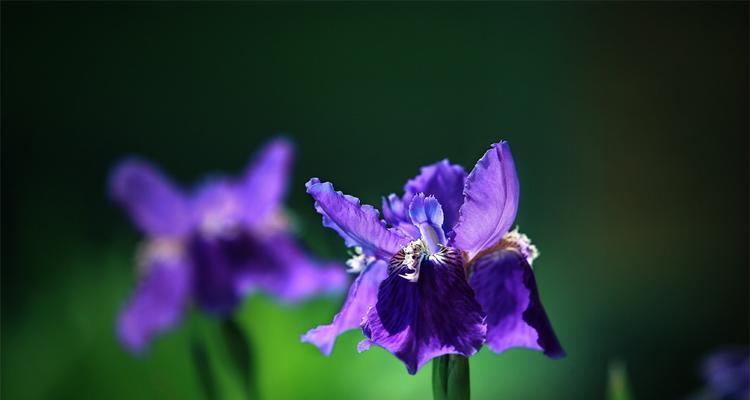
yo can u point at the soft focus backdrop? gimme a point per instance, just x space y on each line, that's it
628 123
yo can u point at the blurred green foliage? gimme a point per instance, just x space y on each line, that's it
628 124
618 387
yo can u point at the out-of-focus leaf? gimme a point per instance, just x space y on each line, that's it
618 387
239 349
203 368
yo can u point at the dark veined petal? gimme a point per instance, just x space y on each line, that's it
157 305
362 295
359 224
506 289
443 180
491 201
264 183
435 315
153 202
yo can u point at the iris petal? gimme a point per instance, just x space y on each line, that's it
157 305
491 201
427 214
435 315
505 287
395 213
264 183
229 268
294 275
362 295
154 203
358 224
220 262
443 180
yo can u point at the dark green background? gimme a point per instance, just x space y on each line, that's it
628 123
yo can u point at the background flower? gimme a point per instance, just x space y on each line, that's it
215 246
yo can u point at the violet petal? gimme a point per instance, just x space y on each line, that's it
157 305
362 295
395 213
221 265
491 201
359 224
506 289
153 202
293 275
427 214
435 315
443 180
264 183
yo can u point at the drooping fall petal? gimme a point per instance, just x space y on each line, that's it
506 289
157 305
362 295
435 315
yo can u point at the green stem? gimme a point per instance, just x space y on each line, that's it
224 360
241 355
450 377
203 367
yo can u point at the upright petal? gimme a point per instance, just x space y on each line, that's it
435 315
506 289
443 180
396 214
157 304
491 201
359 225
427 214
264 183
154 203
362 295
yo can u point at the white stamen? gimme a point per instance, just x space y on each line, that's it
414 253
276 222
161 249
522 243
358 261
222 219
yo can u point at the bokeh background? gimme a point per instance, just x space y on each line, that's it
628 123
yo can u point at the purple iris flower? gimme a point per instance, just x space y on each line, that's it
727 375
443 273
213 246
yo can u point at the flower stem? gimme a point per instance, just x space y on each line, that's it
203 367
224 360
241 356
450 377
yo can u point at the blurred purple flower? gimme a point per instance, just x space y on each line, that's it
412 296
214 246
727 375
